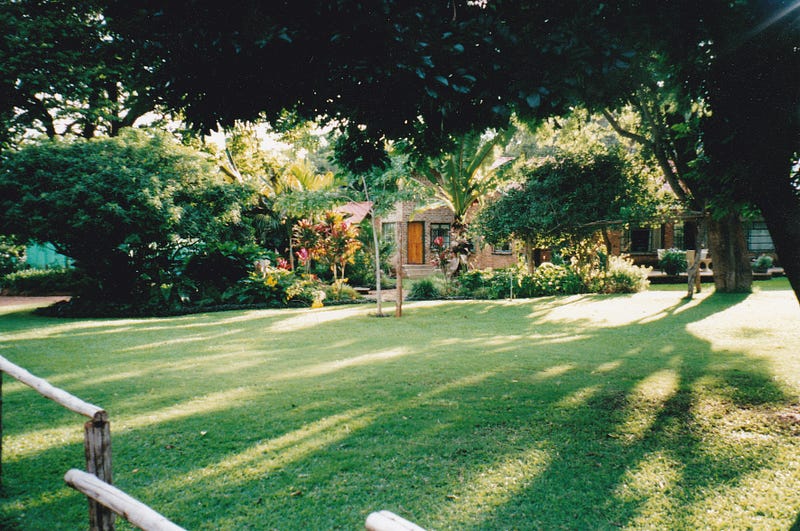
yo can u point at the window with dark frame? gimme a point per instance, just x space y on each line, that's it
440 230
389 231
502 248
640 240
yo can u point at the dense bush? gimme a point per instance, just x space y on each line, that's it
269 286
489 283
620 276
121 207
762 263
42 282
424 289
210 269
550 279
673 261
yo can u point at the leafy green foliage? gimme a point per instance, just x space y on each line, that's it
64 71
567 200
362 270
762 263
673 261
270 285
461 178
121 207
42 282
424 289
212 268
619 276
12 255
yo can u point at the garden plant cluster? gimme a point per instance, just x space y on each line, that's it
612 274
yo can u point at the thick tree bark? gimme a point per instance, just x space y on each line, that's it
780 207
731 262
529 258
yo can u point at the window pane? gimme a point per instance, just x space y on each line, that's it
389 232
441 230
640 240
758 238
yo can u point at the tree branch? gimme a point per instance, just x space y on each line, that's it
615 125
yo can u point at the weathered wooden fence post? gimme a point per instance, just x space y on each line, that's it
97 446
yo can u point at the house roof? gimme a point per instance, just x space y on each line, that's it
355 212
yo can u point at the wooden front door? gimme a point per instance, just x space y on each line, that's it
416 242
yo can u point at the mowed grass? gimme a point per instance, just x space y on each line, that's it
587 412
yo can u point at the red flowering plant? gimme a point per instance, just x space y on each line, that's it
442 257
332 241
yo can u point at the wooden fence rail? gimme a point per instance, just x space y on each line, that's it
122 504
97 435
107 501
388 521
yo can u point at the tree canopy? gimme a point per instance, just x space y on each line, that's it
566 199
429 72
120 207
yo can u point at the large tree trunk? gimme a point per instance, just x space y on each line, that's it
731 262
780 207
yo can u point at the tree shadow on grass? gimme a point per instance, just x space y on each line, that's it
488 416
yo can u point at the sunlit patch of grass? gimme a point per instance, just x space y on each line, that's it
586 412
651 485
645 403
492 486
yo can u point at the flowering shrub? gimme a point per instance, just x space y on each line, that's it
620 276
269 285
333 241
550 279
443 255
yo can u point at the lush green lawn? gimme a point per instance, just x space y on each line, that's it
587 412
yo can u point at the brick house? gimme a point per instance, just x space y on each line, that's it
642 243
416 229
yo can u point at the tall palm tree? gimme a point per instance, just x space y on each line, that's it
465 177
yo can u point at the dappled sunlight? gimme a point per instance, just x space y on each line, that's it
759 498
505 340
552 372
36 441
123 371
607 367
495 485
76 327
18 447
620 310
579 398
180 341
260 459
332 366
644 403
213 402
110 326
312 318
41 499
651 485
630 411
774 321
